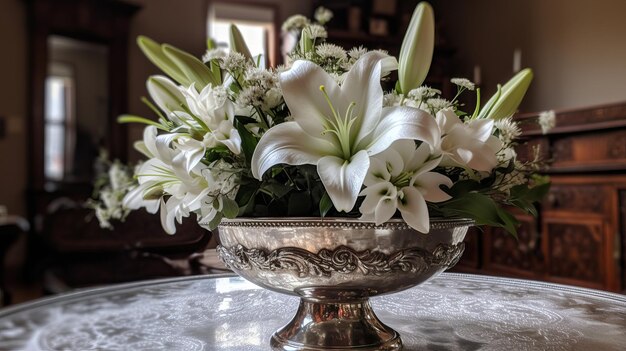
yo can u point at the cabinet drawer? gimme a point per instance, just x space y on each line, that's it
576 250
510 256
587 198
606 150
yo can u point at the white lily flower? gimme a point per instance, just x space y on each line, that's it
337 127
400 179
467 145
165 173
216 113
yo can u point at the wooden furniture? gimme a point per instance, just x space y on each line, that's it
397 15
76 252
102 23
10 229
579 237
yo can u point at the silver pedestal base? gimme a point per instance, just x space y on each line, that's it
320 325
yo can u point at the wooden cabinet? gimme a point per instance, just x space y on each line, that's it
579 236
396 19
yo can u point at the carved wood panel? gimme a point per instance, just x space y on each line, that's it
506 254
575 249
471 259
601 149
622 230
578 197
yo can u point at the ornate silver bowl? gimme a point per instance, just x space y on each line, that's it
335 265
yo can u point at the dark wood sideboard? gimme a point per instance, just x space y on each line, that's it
579 237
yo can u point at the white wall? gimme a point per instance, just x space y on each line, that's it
577 49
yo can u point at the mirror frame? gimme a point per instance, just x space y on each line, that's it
102 22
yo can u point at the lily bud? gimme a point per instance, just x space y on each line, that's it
165 94
237 43
505 102
417 48
306 43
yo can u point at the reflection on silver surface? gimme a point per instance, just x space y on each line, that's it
450 312
335 265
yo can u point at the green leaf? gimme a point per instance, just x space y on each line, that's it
215 221
325 205
154 53
481 209
195 71
210 44
275 189
248 141
137 119
230 209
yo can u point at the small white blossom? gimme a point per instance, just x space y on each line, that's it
331 51
234 62
505 155
317 32
295 23
356 53
437 104
214 54
262 77
423 93
547 121
463 83
392 99
508 130
323 15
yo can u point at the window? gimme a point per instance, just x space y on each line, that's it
256 24
59 108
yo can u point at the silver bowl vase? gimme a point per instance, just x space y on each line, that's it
334 265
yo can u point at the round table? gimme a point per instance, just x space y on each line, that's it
216 313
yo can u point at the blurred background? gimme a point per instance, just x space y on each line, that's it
68 68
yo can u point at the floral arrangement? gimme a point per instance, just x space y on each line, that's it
113 181
320 137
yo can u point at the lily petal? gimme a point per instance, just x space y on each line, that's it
301 88
428 184
287 143
165 93
401 122
414 210
362 86
343 179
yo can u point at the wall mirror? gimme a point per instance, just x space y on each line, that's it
76 108
75 46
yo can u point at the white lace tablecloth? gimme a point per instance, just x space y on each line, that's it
451 312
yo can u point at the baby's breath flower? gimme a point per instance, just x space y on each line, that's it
214 54
331 51
422 93
273 98
234 62
323 15
262 77
437 104
463 83
547 120
295 23
316 31
250 96
508 129
356 53
392 99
